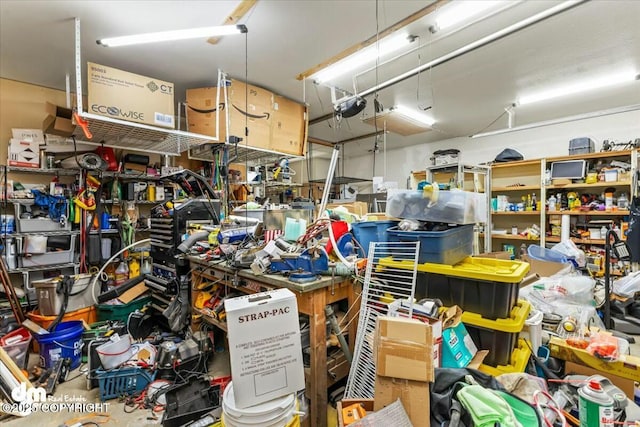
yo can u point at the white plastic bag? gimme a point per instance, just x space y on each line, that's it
568 248
627 286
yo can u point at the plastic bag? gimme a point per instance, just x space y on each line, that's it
604 346
568 248
628 285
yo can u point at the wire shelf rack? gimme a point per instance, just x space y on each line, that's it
381 284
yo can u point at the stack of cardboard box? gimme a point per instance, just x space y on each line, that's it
404 366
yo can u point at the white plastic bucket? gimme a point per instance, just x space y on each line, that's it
115 352
533 329
279 412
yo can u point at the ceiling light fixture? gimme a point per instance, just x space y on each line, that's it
595 114
386 46
414 115
163 36
458 12
579 87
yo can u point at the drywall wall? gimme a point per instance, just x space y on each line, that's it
545 141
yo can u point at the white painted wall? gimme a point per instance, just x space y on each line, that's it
535 143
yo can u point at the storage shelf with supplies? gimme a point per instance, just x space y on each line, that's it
110 132
52 171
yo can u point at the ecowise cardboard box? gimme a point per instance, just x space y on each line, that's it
264 346
131 97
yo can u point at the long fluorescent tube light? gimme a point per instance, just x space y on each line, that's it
461 11
386 46
414 115
163 36
579 87
595 114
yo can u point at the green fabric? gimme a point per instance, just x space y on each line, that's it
486 408
523 412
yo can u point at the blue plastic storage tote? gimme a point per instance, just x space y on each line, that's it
371 231
441 247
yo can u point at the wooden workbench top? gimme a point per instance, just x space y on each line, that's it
276 280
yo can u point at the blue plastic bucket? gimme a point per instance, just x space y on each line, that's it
65 341
371 231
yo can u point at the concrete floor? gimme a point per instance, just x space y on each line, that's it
76 391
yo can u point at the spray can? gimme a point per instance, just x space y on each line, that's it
596 406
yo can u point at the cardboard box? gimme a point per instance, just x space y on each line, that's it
544 268
625 384
59 120
404 349
264 346
203 106
250 107
24 153
289 126
414 396
126 96
367 404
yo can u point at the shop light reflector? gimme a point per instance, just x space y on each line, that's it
579 87
414 115
163 36
362 57
461 11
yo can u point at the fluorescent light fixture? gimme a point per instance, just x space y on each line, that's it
595 114
414 115
163 36
368 54
460 11
579 87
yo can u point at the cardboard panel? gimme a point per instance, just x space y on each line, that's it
414 396
126 96
250 107
404 349
202 107
289 126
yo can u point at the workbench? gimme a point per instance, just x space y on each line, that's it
312 297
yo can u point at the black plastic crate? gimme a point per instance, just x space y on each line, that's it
499 336
485 286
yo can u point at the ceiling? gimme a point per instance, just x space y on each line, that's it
465 95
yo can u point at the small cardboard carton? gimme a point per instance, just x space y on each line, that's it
126 96
24 153
264 346
404 349
59 120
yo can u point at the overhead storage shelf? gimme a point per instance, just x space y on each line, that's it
238 153
136 136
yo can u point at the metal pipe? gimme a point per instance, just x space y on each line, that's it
329 180
511 29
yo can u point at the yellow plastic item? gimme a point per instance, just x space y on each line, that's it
134 268
353 413
201 299
519 359
513 324
478 268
